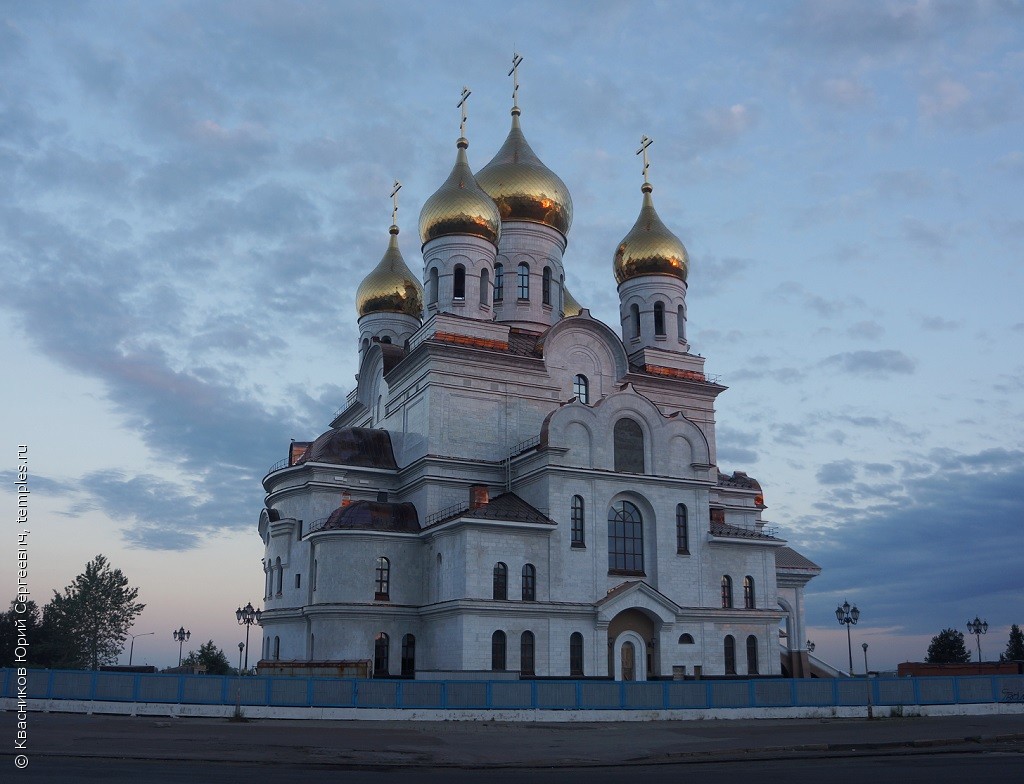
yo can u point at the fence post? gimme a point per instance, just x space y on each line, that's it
917 691
269 691
49 684
181 688
664 694
707 694
579 695
487 695
792 692
399 695
751 693
534 697
309 692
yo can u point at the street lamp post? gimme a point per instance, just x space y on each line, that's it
131 649
241 647
247 616
180 635
847 615
867 677
978 627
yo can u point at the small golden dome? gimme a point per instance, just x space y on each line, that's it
650 248
570 307
459 206
390 287
523 187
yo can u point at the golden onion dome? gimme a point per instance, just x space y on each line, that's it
459 206
390 287
570 307
650 248
523 187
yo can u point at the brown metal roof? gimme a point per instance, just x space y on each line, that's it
788 558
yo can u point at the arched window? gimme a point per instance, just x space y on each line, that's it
383 576
529 583
686 639
748 592
498 651
499 282
659 318
280 576
366 343
266 648
315 570
526 646
730 655
634 313
629 447
270 582
485 286
459 290
432 287
545 287
381 652
576 655
408 656
581 389
277 648
625 539
751 655
561 293
726 591
524 281
312 647
500 590
439 573
386 340
576 515
682 532
681 323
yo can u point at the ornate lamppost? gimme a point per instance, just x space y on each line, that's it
180 635
131 649
847 615
247 616
978 627
867 677
241 647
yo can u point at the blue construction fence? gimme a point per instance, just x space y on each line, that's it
508 695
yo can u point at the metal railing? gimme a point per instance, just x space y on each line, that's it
448 511
277 466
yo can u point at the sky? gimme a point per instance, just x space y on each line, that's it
190 193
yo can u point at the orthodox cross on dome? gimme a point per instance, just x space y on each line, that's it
517 59
645 142
394 202
462 105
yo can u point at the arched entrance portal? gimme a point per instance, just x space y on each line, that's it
630 653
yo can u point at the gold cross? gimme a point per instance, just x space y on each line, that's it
394 201
514 73
462 105
645 142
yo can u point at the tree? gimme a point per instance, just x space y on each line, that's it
947 647
88 623
211 657
1015 646
22 621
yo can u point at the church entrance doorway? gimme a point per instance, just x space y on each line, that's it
631 656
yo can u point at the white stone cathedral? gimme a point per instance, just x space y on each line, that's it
514 488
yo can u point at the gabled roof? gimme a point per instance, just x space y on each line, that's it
788 558
506 506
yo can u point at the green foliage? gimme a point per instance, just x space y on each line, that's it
947 647
211 657
1015 646
22 621
88 623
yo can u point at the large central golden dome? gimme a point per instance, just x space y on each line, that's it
523 187
650 248
459 206
390 287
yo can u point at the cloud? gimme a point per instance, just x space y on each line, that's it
946 97
711 274
873 364
736 446
938 324
845 93
870 330
840 472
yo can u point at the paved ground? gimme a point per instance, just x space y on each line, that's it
492 744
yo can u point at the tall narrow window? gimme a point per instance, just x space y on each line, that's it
625 539
681 323
270 582
298 580
545 286
730 655
381 652
629 446
408 656
561 293
280 576
576 514
526 646
576 655
485 286
432 287
498 651
499 282
529 583
726 591
500 589
383 579
277 648
659 318
581 389
524 281
682 532
634 312
748 592
315 570
751 655
459 284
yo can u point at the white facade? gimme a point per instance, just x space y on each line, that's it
503 433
